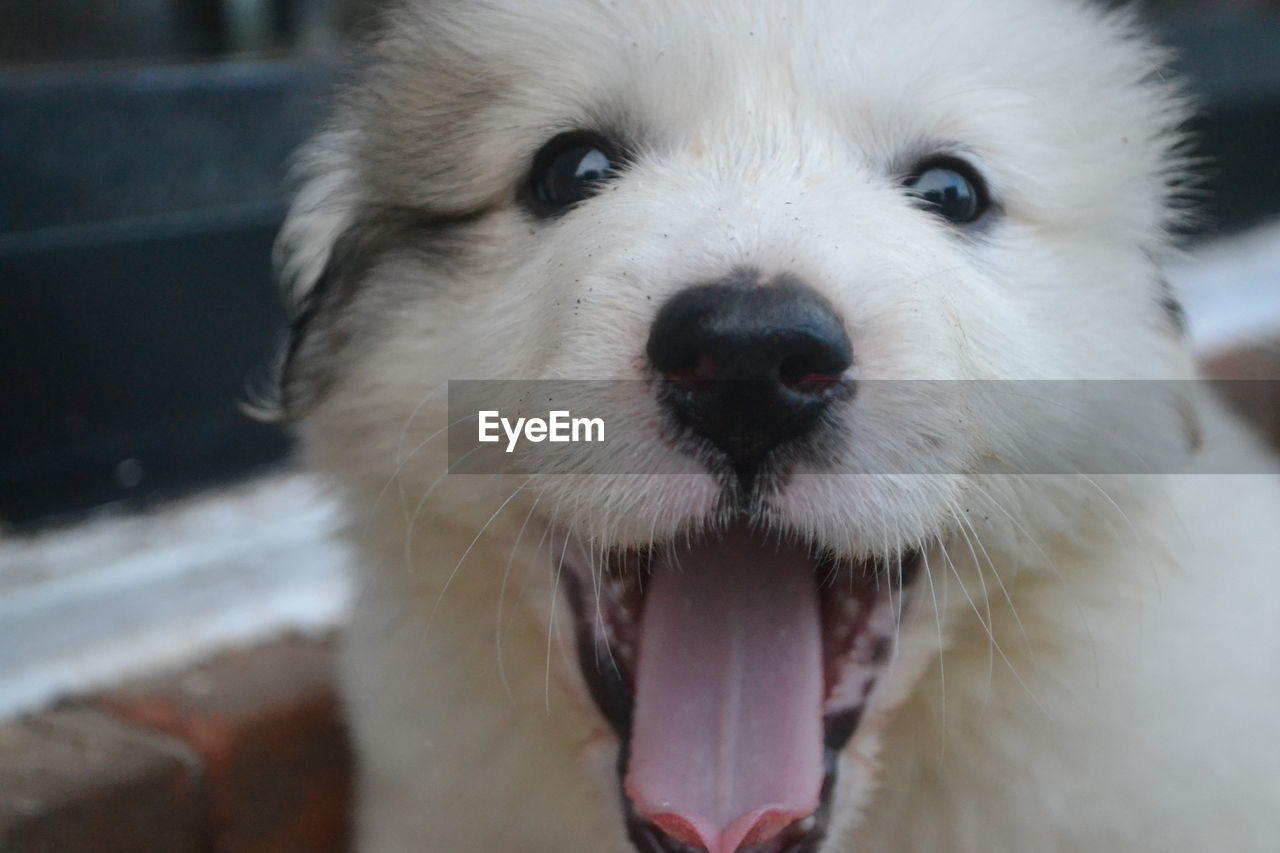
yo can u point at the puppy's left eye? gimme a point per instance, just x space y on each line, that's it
950 188
568 169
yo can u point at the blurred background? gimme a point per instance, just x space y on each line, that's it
154 546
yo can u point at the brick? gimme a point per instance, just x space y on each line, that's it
267 726
1249 379
77 781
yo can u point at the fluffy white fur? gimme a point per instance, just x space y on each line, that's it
1089 662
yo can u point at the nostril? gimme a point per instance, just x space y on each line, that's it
691 372
806 375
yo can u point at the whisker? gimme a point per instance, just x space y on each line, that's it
502 594
996 573
453 574
551 623
1052 565
995 645
412 523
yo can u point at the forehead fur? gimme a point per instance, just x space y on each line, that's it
461 93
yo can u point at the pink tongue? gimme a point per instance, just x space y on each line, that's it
726 742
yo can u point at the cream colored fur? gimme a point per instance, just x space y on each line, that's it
1089 663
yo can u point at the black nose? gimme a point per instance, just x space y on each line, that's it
749 367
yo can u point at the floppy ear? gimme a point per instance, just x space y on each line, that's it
314 257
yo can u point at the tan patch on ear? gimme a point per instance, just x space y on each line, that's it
1192 429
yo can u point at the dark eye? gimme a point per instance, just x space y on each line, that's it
950 188
568 169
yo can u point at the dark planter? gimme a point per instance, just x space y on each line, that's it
1232 59
136 293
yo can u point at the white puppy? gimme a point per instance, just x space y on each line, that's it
878 557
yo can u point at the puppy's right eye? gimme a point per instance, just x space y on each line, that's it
951 188
568 169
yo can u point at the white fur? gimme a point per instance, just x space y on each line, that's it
1090 662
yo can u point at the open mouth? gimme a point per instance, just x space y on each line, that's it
733 668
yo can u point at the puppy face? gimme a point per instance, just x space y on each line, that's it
919 190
